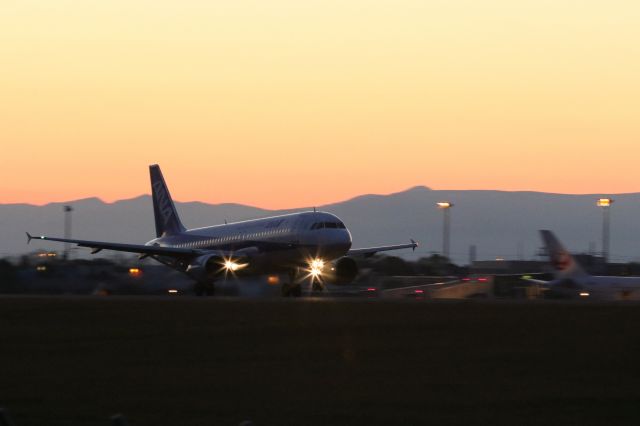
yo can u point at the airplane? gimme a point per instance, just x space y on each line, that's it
310 246
571 280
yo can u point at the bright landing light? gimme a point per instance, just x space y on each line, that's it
231 266
315 268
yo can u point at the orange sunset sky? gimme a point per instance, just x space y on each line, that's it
287 103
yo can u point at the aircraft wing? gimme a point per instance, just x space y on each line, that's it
370 251
131 248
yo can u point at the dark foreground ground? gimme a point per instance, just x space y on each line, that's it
183 361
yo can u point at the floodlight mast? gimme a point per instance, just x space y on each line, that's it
67 229
446 206
605 204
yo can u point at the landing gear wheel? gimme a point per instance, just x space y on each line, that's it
317 287
291 290
204 289
209 289
286 290
296 290
198 289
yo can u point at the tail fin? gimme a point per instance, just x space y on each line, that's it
167 220
563 263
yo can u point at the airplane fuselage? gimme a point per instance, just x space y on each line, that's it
608 287
275 243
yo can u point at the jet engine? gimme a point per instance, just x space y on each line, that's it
344 271
211 266
204 267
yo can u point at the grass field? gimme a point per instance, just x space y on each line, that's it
183 361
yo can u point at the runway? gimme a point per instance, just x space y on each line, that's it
189 361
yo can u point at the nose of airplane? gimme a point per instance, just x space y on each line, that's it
346 238
332 243
338 242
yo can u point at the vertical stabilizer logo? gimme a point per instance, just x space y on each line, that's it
562 261
162 201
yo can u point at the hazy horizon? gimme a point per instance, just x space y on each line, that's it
500 223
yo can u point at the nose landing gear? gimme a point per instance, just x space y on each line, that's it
293 287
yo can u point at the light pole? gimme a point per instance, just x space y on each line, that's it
67 229
445 206
605 203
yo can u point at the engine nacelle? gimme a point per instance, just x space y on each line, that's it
212 266
343 272
206 267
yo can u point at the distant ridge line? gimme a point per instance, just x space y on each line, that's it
412 190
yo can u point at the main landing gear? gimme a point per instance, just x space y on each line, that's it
204 288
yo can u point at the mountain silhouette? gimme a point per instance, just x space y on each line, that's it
499 223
